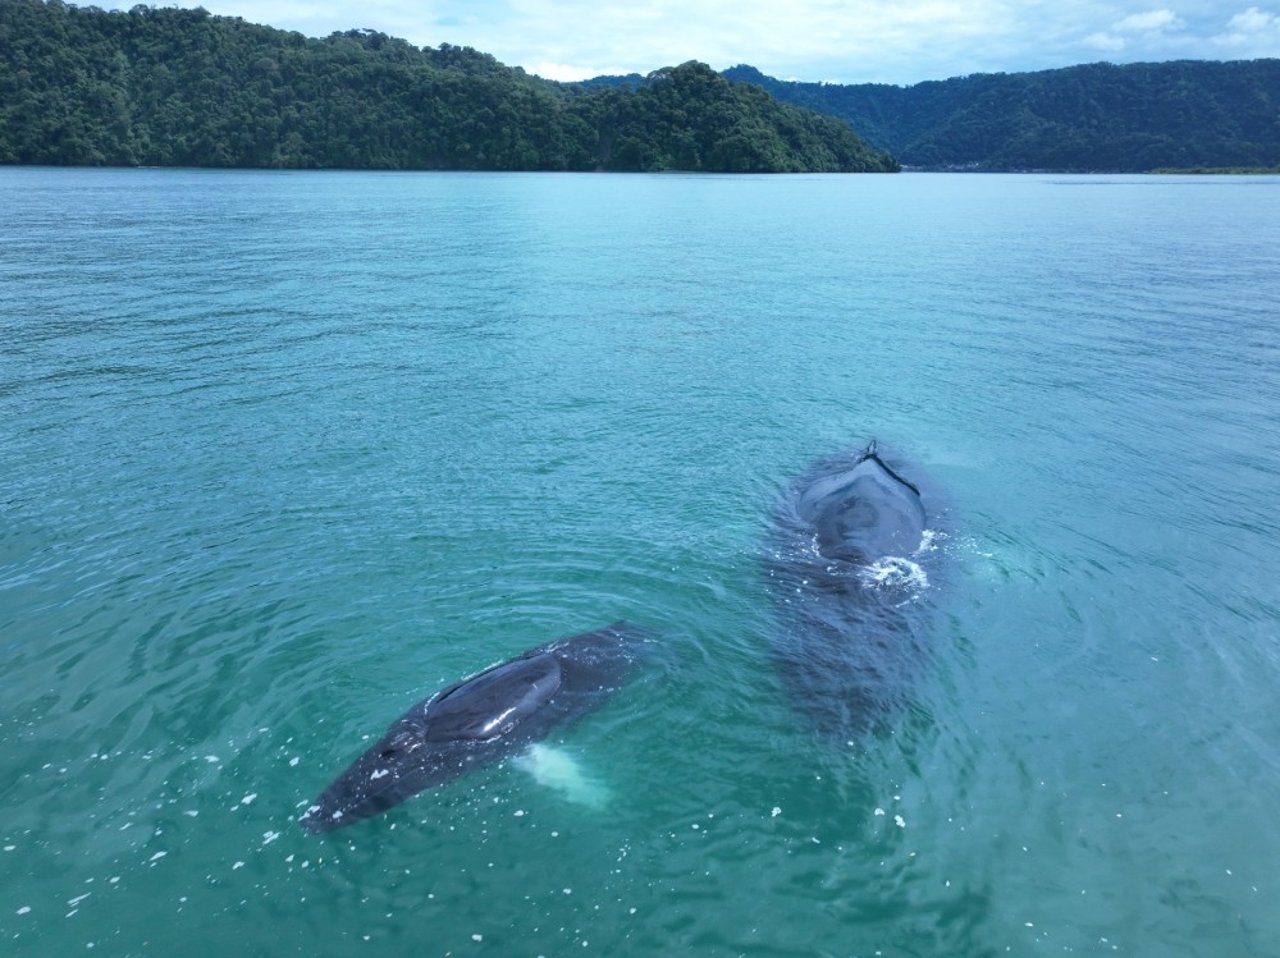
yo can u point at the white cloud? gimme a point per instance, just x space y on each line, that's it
1143 22
568 73
1105 41
1253 20
1252 33
849 41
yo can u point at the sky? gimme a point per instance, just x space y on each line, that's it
838 41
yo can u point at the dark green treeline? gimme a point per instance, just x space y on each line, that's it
170 87
1096 117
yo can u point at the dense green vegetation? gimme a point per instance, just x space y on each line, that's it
1097 117
165 87
691 118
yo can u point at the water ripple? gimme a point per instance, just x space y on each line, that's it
285 453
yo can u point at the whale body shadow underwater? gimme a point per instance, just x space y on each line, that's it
850 551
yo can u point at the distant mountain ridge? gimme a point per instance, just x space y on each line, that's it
178 87
167 86
1094 117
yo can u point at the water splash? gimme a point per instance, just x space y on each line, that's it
894 572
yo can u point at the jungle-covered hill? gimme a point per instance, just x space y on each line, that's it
173 87
1095 117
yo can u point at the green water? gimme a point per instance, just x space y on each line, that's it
283 453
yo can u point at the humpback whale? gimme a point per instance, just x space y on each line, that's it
480 721
848 561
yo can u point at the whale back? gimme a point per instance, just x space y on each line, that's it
494 701
864 513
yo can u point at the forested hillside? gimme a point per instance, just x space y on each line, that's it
169 87
1099 116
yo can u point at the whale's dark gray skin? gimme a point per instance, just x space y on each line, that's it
848 564
481 720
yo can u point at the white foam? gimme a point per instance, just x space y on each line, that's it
929 541
895 571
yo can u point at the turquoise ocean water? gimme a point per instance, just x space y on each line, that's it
283 453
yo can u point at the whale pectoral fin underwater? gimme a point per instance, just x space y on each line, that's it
556 769
479 721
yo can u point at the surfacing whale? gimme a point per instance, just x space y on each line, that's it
480 721
848 560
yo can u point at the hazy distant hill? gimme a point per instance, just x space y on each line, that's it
1095 117
168 87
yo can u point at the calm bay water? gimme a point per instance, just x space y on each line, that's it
282 453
